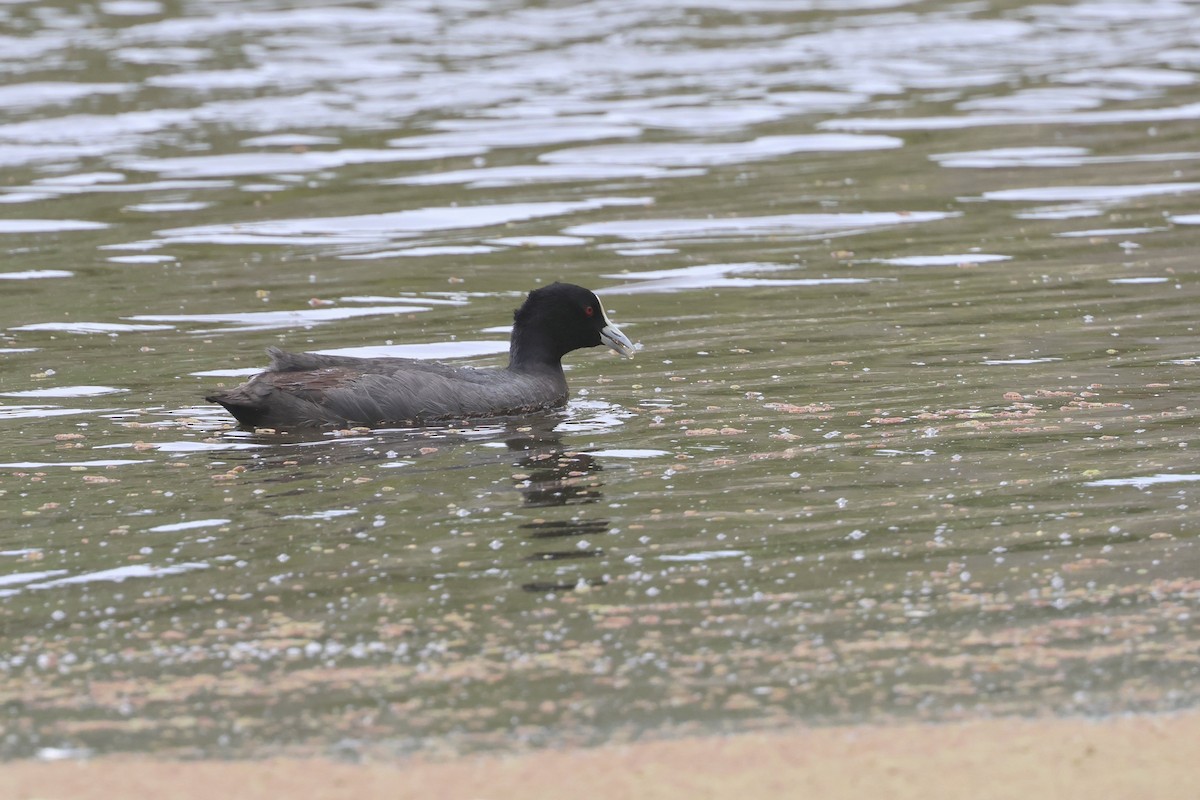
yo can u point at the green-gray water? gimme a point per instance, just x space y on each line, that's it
910 436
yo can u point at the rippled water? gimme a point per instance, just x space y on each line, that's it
910 434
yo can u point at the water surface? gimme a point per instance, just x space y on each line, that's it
909 438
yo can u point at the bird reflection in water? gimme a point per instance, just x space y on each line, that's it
548 475
554 476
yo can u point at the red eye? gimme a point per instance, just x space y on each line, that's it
589 311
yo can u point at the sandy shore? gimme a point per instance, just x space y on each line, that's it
1132 757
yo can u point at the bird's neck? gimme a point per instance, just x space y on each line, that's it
531 353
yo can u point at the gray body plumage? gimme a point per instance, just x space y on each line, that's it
311 390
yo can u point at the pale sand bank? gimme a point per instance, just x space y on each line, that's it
1132 757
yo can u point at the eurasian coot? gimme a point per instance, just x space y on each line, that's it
311 390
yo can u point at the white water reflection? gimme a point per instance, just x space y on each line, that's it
1007 157
175 527
1045 157
1096 194
121 574
799 225
20 96
515 64
18 578
13 154
1146 481
1105 232
35 274
714 276
425 351
44 190
238 164
422 252
380 228
592 416
642 252
706 118
1066 211
704 154
538 241
494 177
29 577
40 411
48 225
146 258
480 135
289 140
79 180
703 555
414 23
131 8
324 516
66 391
1008 362
273 320
1188 111
951 260
109 328
628 452
168 208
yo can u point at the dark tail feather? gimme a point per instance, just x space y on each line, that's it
247 414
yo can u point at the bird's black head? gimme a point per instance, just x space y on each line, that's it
559 318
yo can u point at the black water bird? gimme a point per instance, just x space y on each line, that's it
304 390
